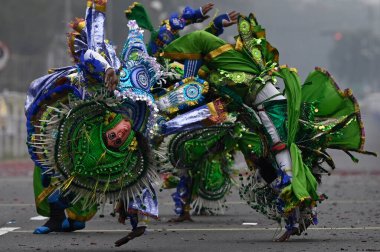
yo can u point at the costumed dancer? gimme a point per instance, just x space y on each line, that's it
205 196
89 147
244 75
96 62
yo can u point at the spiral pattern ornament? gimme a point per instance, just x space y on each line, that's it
192 92
142 79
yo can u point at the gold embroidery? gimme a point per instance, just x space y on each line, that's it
239 44
218 51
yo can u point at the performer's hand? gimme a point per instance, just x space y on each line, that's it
225 20
111 79
233 15
122 214
206 8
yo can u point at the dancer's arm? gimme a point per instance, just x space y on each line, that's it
217 26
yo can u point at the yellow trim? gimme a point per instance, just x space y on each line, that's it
100 5
261 34
81 25
45 193
101 8
218 51
181 56
78 24
129 10
211 106
293 69
177 64
205 87
202 73
288 170
239 44
74 216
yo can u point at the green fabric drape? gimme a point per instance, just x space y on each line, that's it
304 185
331 102
293 96
42 207
198 44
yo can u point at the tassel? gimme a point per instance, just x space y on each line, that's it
354 159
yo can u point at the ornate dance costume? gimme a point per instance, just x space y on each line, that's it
283 138
88 147
193 191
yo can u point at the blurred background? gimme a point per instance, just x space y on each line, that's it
340 35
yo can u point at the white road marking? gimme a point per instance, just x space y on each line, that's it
214 229
249 223
39 217
7 230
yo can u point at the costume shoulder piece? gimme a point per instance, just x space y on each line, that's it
252 38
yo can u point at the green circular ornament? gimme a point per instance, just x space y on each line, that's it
244 26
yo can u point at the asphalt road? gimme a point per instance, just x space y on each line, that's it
349 221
